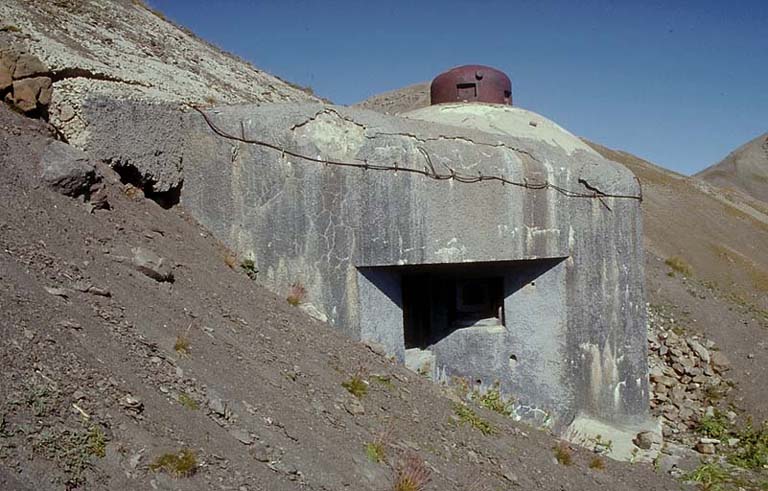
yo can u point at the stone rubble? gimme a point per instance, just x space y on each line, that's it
686 372
149 263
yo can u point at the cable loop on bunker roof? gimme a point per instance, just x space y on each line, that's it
428 171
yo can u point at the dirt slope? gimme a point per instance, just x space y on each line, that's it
259 396
400 100
744 169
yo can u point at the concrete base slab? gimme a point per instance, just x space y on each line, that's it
420 361
613 440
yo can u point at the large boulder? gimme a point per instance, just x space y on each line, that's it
25 81
66 169
28 65
7 67
30 94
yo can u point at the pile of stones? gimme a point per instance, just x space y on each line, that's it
686 375
25 82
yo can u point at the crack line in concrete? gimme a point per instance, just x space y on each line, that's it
428 171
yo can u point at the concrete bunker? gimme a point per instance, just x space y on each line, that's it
474 240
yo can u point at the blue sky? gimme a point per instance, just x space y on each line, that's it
680 83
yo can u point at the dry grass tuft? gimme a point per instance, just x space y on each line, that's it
182 345
375 452
230 260
678 264
296 294
187 401
182 464
597 464
356 386
563 453
412 474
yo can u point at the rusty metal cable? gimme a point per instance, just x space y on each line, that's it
428 170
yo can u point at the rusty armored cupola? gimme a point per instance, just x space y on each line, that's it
471 83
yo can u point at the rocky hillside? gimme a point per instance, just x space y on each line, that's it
744 169
400 100
123 49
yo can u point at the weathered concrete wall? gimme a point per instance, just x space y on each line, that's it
605 348
578 334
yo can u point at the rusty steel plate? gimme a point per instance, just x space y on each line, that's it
471 83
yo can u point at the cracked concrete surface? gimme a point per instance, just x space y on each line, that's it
503 120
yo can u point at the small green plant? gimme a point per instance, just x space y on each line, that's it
412 474
187 401
752 452
296 294
467 416
597 463
679 330
599 445
72 451
375 452
181 464
384 380
678 264
709 476
657 461
493 400
96 442
10 28
250 268
563 454
41 399
356 386
715 426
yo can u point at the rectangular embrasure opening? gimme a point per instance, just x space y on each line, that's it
437 303
466 91
413 308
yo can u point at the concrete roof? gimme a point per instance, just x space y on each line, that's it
501 120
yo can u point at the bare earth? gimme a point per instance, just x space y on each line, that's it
744 169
